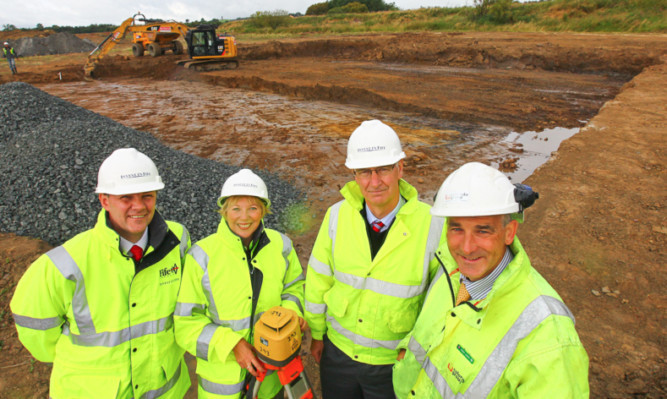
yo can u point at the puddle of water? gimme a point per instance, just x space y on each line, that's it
537 149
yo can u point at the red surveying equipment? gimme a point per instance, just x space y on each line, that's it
277 341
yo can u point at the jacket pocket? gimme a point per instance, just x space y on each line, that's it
401 321
336 301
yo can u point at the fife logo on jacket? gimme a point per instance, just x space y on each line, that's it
168 272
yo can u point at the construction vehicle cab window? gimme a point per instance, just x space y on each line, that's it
207 50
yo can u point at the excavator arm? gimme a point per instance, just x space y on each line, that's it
107 44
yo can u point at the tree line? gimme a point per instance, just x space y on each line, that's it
94 28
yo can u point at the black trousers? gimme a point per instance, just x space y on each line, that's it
344 378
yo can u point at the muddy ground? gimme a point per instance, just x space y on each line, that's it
599 225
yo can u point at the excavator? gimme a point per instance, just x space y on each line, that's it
207 50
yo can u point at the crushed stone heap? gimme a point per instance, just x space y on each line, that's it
51 151
59 43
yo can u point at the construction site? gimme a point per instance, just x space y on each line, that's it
581 118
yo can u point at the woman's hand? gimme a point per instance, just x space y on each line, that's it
245 357
303 325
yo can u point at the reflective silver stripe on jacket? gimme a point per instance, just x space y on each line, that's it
38 324
287 248
184 241
316 308
296 280
201 257
379 286
114 338
360 339
219 389
187 309
204 340
293 298
320 267
417 350
333 226
156 393
531 317
388 288
432 242
71 271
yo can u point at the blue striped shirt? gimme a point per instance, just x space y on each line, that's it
480 289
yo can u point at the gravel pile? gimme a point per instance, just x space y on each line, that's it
59 43
51 151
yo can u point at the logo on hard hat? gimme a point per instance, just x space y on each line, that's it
372 149
457 197
135 175
245 185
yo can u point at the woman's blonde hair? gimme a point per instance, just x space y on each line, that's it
230 201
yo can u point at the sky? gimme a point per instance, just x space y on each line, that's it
86 12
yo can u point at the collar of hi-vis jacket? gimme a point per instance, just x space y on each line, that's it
352 194
473 312
157 231
259 237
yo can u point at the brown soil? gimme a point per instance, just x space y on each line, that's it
599 225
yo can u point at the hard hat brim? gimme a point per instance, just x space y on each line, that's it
454 212
134 189
222 200
363 164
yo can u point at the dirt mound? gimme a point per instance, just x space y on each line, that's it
59 43
581 53
9 35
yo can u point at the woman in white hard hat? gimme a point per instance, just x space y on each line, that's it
230 278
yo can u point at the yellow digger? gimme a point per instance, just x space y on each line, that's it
207 50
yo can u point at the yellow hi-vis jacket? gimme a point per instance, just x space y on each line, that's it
366 306
108 331
215 304
518 342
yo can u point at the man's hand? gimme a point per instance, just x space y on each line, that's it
401 355
316 347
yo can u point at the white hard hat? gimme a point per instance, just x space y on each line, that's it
475 189
6 44
127 171
245 183
373 144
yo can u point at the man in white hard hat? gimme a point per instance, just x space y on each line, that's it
9 53
491 326
100 307
369 269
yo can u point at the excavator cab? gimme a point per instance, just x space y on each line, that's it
209 50
203 42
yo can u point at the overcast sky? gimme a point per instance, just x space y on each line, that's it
29 13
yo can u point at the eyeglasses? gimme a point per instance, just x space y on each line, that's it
382 171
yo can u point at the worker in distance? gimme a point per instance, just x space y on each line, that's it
100 306
491 325
231 278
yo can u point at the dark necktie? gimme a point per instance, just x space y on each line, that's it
377 226
137 252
